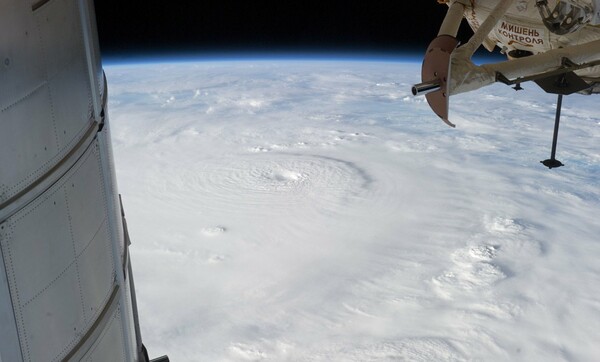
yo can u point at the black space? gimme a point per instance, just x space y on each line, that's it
209 26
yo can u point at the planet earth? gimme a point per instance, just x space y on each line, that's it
314 210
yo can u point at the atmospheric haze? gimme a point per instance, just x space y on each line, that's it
314 210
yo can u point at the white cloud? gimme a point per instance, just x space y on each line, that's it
337 222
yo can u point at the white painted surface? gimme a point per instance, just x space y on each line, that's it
59 262
59 216
47 105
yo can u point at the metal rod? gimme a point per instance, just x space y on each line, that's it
426 87
543 75
452 20
487 26
467 76
586 55
556 123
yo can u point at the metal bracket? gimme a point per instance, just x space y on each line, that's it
564 84
102 119
548 81
567 17
435 70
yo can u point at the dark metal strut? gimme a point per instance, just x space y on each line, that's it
552 162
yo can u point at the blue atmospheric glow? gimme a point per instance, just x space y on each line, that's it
148 58
411 56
